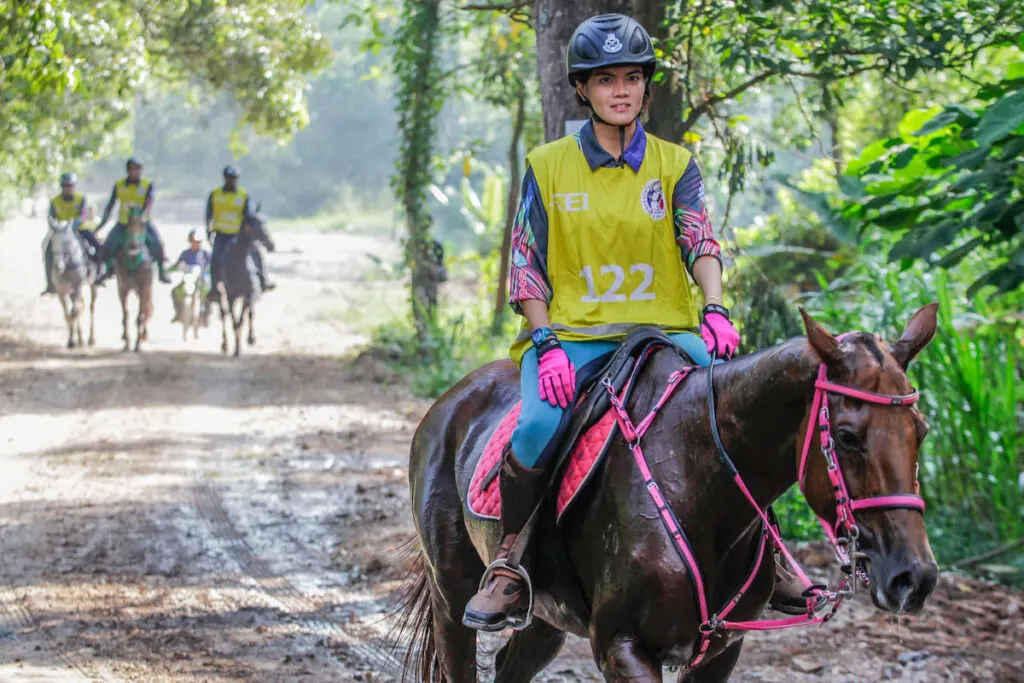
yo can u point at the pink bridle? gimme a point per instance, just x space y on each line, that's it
843 534
847 505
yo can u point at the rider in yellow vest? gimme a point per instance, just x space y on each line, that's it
226 208
611 228
129 192
70 205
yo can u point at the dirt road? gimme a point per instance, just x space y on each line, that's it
181 516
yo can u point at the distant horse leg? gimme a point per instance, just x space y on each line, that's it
625 661
527 652
140 324
716 670
124 318
193 312
76 313
145 294
238 323
252 332
148 289
225 312
67 319
92 315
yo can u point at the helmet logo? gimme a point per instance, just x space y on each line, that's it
612 44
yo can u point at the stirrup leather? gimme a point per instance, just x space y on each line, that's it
515 622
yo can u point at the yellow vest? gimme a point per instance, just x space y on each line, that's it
129 196
227 209
67 210
612 257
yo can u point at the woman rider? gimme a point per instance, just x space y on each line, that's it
597 250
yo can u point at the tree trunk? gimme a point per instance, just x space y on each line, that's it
500 303
830 114
418 124
665 109
554 21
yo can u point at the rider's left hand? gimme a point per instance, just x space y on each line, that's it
718 332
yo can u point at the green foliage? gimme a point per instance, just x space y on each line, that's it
71 69
951 184
456 344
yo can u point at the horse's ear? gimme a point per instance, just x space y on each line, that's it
916 335
822 341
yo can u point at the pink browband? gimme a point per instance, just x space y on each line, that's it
843 534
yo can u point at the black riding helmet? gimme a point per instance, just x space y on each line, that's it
231 172
68 178
608 40
133 161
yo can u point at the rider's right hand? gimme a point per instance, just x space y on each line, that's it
557 378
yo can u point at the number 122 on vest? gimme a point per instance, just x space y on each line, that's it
619 274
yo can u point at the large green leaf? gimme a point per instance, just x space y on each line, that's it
915 120
947 117
922 243
957 255
1001 118
971 158
902 217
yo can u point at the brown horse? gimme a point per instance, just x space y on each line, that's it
134 268
611 573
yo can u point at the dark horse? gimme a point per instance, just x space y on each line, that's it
611 573
238 281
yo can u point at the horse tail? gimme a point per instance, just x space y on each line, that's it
414 619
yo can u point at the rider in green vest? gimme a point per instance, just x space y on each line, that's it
131 191
611 229
69 205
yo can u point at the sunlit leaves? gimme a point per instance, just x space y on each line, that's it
71 69
952 184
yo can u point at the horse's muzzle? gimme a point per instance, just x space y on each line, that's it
901 585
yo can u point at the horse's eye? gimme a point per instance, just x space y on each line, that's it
847 439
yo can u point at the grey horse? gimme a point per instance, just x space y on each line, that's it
72 272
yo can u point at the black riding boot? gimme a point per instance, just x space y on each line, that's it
503 599
48 264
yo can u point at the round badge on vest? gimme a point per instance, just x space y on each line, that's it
652 199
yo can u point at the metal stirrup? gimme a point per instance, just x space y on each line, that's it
513 621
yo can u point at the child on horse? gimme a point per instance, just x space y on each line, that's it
195 255
598 248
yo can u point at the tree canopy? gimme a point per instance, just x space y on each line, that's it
70 70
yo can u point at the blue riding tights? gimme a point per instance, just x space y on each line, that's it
539 421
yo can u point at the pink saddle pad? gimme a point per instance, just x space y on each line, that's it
586 454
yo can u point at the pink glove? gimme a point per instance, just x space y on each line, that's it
557 378
719 334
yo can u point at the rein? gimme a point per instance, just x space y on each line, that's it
843 534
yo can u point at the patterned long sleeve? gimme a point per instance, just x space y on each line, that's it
528 277
694 233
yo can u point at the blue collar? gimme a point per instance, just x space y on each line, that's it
597 157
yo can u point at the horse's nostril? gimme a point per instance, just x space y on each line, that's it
908 589
901 588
